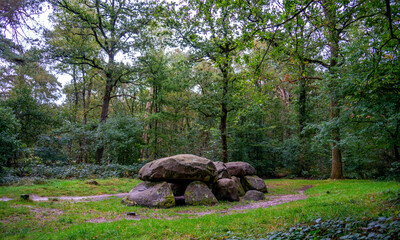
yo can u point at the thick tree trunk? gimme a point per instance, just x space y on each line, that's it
104 115
302 120
333 37
337 169
224 143
224 116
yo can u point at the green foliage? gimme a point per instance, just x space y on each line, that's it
34 118
251 142
122 137
49 150
279 85
9 142
40 172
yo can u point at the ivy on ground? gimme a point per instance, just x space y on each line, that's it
381 228
375 228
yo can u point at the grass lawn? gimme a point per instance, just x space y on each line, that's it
56 188
108 219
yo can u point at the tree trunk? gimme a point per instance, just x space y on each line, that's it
104 114
224 116
145 152
396 152
223 134
86 104
333 37
302 120
76 107
395 145
337 169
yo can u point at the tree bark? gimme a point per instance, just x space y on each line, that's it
302 120
224 143
104 115
145 151
224 116
396 152
337 168
333 37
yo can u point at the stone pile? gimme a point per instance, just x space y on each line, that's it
192 180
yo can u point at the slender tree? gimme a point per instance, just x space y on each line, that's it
214 31
112 25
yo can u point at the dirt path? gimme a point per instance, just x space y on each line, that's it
271 201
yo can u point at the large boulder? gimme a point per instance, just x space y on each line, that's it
239 186
254 195
222 170
197 193
151 194
226 189
240 169
179 167
254 183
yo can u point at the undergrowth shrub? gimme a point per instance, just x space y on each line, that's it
33 174
367 228
380 228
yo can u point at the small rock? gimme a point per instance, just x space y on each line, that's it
92 182
131 213
254 195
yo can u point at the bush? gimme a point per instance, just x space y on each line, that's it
9 143
122 138
40 172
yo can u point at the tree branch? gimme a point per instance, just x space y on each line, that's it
123 95
317 61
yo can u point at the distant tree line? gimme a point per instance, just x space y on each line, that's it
299 88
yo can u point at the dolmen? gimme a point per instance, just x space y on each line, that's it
188 179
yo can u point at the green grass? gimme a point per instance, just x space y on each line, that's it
71 220
56 188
